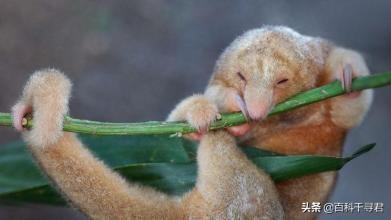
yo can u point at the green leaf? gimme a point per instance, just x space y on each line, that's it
167 164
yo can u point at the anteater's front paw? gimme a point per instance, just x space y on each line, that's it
345 65
201 113
198 111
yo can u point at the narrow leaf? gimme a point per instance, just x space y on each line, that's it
167 164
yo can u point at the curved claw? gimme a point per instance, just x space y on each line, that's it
203 129
19 111
242 106
347 77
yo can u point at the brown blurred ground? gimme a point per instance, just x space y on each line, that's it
133 60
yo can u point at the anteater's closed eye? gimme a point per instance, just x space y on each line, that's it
241 76
282 81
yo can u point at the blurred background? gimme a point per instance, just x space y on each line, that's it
134 60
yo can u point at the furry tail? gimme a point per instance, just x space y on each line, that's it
87 182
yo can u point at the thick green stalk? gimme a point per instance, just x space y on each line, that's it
227 120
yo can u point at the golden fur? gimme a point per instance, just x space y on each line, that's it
264 56
259 69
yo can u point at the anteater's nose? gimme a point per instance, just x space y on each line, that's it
257 111
258 102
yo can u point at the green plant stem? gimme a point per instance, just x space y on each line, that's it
227 120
